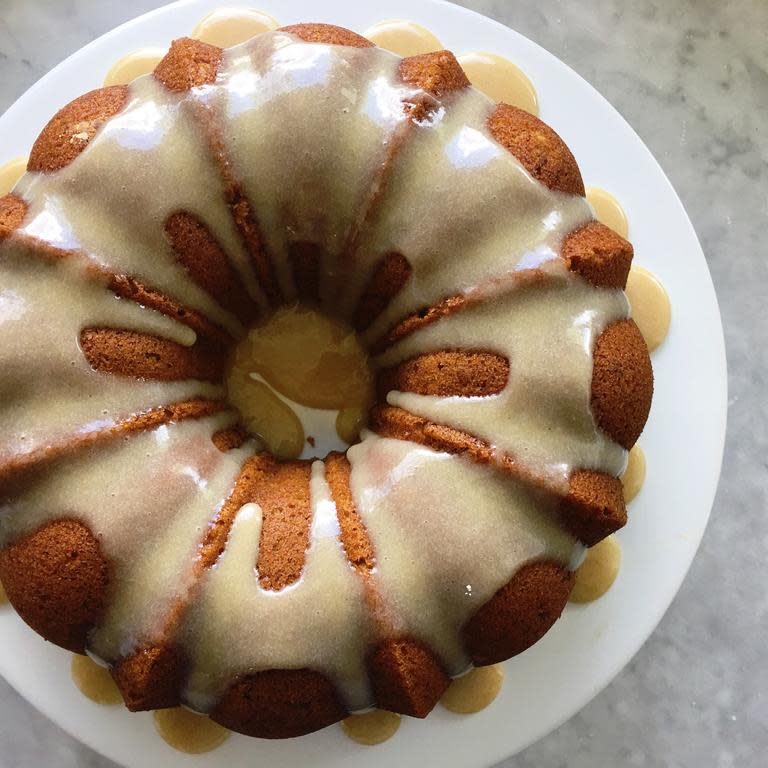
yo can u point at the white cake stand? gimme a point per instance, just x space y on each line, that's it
683 441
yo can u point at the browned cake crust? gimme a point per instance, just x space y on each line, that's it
229 438
594 507
12 212
207 264
151 678
622 382
447 373
438 72
599 255
283 495
305 259
387 280
137 355
188 64
537 148
73 126
57 580
329 34
406 677
354 536
244 492
279 704
519 614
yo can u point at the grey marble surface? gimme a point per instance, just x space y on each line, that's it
691 76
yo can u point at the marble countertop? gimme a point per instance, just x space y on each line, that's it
691 76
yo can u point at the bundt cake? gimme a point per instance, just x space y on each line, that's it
156 224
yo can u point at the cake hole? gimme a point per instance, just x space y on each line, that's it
302 382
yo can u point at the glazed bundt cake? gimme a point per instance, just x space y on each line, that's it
156 224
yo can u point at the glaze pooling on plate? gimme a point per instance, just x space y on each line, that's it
232 25
608 210
500 80
371 728
94 681
157 148
133 65
473 692
188 732
595 576
10 173
403 37
651 308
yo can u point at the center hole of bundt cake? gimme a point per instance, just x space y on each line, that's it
301 381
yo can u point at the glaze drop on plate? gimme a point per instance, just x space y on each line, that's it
233 25
474 691
403 37
189 732
94 681
608 210
595 576
650 305
133 65
372 727
10 173
500 80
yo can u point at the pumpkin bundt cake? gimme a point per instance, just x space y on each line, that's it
156 224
